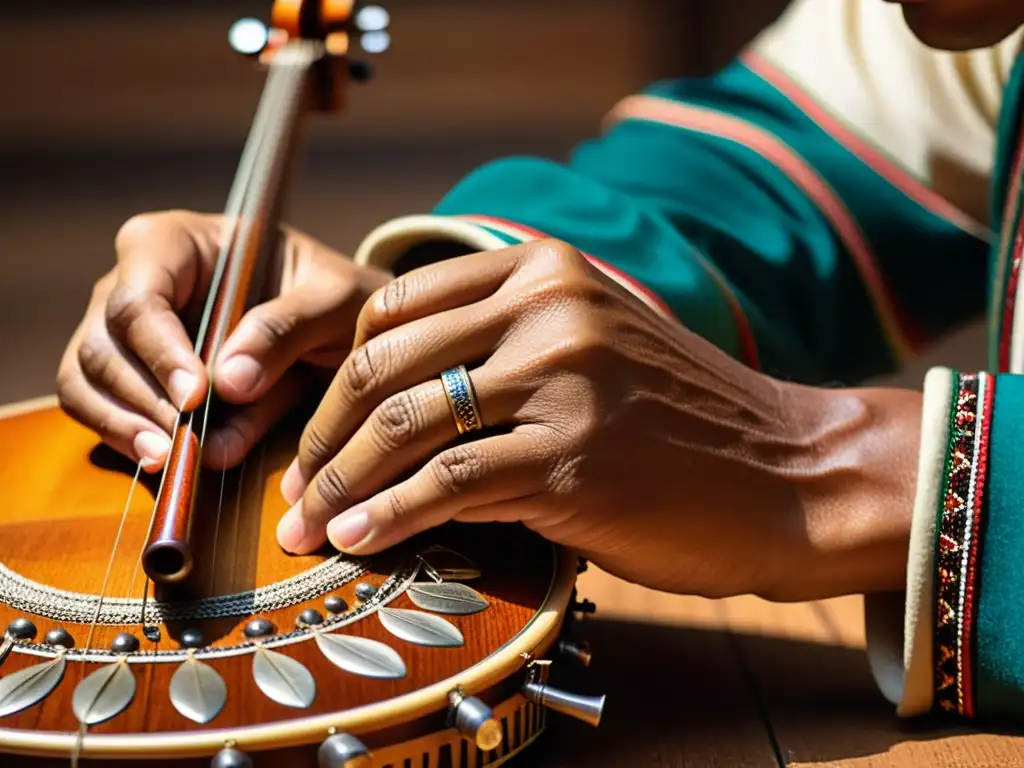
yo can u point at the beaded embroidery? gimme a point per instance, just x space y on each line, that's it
956 546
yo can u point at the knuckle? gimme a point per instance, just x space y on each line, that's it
389 302
364 367
136 228
397 421
93 355
125 306
272 326
556 255
314 446
331 488
396 507
457 469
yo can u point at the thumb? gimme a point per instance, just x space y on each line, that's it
315 323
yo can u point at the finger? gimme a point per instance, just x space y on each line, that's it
128 433
392 362
272 337
399 436
160 264
473 475
108 368
231 442
434 289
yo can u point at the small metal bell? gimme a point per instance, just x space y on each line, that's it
475 720
342 750
231 758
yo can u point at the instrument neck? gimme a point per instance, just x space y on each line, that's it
251 221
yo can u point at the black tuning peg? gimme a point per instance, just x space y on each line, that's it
360 71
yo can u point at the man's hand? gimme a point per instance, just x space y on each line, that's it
130 364
607 429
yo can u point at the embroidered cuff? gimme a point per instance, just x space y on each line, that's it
962 651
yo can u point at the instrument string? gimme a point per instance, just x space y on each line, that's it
265 164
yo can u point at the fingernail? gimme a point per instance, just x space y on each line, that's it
349 528
292 530
181 386
241 372
151 448
291 484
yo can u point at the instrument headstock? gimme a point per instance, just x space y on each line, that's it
338 24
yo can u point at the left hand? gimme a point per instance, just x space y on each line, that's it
608 429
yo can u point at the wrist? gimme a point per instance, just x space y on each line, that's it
857 493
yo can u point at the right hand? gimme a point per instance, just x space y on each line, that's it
130 364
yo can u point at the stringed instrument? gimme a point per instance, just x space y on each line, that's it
155 619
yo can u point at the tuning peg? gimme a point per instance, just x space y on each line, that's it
576 650
475 720
360 71
586 708
583 606
342 750
249 36
372 18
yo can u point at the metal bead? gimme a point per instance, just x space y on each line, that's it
60 636
365 591
231 758
125 643
343 751
152 634
310 617
475 720
259 628
192 638
21 629
335 604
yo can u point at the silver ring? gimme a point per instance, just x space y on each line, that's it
458 388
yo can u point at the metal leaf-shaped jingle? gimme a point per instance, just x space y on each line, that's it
283 679
198 691
361 656
447 597
104 693
20 690
443 564
420 628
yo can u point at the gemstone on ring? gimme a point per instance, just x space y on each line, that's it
458 388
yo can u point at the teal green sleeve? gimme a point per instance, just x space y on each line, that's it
757 228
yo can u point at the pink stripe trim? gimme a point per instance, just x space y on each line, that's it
904 338
748 345
883 165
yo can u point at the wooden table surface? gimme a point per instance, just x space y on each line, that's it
742 683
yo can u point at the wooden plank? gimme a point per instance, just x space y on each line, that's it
675 694
810 670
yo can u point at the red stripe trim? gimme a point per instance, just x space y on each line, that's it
748 344
882 164
970 587
904 337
